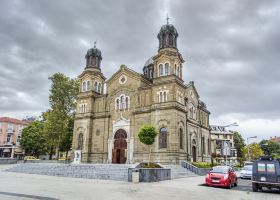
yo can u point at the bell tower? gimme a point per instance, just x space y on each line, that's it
168 61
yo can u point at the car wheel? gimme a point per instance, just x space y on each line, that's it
230 185
235 184
254 187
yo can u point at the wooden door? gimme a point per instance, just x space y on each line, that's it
194 153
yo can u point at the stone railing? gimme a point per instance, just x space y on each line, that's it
194 169
8 161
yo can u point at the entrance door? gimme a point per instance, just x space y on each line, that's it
194 153
120 146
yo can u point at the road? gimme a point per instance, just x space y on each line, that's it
30 186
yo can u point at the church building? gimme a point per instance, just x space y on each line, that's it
107 123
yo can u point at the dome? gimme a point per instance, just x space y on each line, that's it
168 29
94 52
150 61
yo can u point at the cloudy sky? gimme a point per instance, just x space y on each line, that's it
231 48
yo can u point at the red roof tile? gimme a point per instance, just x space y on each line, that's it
13 120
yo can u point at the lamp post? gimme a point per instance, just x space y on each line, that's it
248 145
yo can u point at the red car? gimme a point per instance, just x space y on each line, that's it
221 176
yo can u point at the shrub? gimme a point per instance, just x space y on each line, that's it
203 164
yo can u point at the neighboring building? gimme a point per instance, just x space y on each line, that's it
10 134
223 145
106 125
275 139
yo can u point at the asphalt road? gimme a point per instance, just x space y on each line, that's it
18 186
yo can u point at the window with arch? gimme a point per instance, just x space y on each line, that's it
88 85
84 87
122 102
95 86
175 69
160 68
178 71
181 138
83 108
162 138
162 96
80 141
166 68
99 88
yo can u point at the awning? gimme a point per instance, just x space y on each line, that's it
6 151
18 150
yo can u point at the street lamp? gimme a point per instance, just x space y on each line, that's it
248 145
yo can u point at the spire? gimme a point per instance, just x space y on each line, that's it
167 19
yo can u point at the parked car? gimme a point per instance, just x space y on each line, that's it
246 172
30 158
221 176
266 173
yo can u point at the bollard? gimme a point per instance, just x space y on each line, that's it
135 176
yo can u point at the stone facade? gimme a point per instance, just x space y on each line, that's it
107 123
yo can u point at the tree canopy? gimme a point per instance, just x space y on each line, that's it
147 134
33 140
252 151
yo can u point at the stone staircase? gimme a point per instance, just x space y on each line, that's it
178 171
118 172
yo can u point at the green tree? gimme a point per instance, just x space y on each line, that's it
239 143
59 118
270 148
252 151
32 140
147 135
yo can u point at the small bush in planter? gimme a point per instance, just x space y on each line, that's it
147 135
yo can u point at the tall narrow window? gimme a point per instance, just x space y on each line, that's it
160 97
203 145
95 87
126 102
80 142
166 68
99 88
84 87
162 138
175 69
164 97
160 68
178 71
181 138
122 103
88 86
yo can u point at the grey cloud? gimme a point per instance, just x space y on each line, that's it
231 48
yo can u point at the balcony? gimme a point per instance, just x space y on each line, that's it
10 130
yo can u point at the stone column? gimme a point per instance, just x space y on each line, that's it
13 151
131 148
110 147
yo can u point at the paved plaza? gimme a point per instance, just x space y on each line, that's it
32 186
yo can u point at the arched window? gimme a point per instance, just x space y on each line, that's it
160 97
164 96
80 142
126 102
88 86
160 68
181 138
178 71
95 87
175 69
170 39
166 68
99 88
122 103
84 87
162 138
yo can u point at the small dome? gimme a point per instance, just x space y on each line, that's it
168 29
150 61
94 52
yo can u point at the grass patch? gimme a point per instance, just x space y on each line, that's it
203 164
